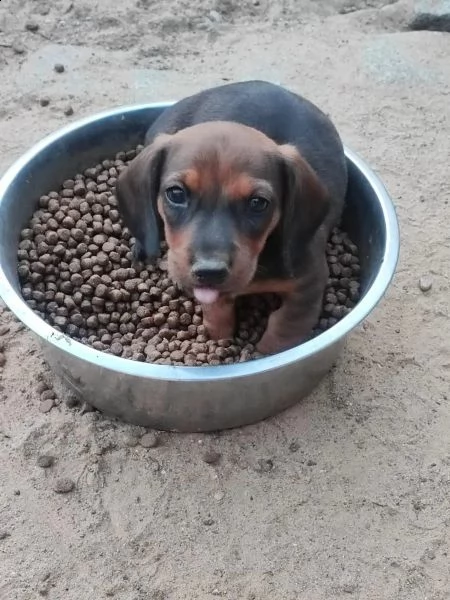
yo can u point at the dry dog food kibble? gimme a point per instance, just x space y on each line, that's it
76 271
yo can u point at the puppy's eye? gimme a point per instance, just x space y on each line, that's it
177 196
258 204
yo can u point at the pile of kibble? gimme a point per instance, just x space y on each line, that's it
76 271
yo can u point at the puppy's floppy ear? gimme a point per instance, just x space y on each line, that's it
137 190
305 205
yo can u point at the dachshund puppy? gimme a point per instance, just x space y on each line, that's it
245 181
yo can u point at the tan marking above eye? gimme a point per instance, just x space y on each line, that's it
192 180
239 188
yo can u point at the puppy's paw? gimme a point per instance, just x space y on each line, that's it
270 344
274 341
219 331
219 319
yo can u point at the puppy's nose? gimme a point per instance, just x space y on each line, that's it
210 272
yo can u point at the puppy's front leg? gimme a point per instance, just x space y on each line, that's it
295 319
219 318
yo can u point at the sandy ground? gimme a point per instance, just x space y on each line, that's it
355 503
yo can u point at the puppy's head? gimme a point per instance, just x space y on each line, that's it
219 190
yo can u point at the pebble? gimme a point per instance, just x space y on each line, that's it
208 522
2 359
18 48
4 329
48 395
211 457
44 101
4 535
32 26
68 111
45 461
215 16
64 485
59 68
149 440
131 441
46 406
311 463
425 283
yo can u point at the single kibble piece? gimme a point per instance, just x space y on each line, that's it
64 486
149 440
45 461
425 283
211 457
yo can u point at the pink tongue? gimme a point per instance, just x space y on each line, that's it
206 295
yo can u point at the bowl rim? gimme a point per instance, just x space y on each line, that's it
150 371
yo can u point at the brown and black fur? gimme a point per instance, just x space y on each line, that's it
224 148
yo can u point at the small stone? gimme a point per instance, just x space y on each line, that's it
149 440
18 48
425 283
4 535
46 406
68 111
215 16
48 395
211 457
32 26
131 441
311 463
4 329
63 486
44 101
208 522
45 461
2 359
59 68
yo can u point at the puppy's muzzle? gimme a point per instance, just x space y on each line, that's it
210 272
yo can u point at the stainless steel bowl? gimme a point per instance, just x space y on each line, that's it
183 398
